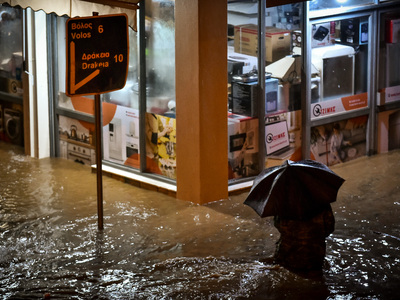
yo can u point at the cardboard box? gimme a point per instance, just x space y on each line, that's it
277 41
242 146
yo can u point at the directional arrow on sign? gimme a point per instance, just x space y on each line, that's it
73 86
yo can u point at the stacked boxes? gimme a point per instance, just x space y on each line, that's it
277 41
242 146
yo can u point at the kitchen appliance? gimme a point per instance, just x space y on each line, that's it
335 65
115 139
13 126
131 149
244 94
132 130
79 154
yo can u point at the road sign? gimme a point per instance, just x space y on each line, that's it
97 54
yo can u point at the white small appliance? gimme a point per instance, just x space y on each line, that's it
115 139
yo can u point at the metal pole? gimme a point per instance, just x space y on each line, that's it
261 83
99 156
142 86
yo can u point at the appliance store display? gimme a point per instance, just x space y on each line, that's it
114 139
80 154
239 63
76 141
13 126
277 140
353 32
277 41
335 65
323 34
244 95
121 136
242 146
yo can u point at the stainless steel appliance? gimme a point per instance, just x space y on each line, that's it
335 65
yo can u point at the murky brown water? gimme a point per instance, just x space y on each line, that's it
157 247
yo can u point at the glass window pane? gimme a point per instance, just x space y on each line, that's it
340 141
339 69
389 52
283 119
337 4
282 87
119 108
11 59
160 88
243 128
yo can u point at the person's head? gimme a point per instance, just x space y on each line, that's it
336 128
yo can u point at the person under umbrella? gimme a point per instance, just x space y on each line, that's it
298 195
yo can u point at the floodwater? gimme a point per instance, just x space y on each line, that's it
156 247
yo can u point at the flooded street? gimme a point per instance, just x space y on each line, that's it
156 247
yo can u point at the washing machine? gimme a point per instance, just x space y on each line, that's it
13 126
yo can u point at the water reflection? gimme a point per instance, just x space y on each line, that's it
157 247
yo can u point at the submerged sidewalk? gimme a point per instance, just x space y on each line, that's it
154 246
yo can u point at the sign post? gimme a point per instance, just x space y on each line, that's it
97 62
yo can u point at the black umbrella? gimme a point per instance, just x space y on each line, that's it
294 190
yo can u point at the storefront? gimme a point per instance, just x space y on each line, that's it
331 89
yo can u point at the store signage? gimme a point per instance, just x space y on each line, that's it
389 94
276 136
340 105
97 54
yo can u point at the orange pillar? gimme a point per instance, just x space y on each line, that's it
201 100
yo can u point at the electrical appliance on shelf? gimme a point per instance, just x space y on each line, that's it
335 67
13 126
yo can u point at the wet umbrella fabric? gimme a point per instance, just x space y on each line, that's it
294 190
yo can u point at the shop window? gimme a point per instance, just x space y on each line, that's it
11 59
282 101
339 71
339 141
389 53
119 108
160 128
388 97
337 5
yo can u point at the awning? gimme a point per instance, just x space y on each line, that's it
81 8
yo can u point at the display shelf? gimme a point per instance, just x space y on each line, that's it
11 98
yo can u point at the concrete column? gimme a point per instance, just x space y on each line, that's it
201 100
